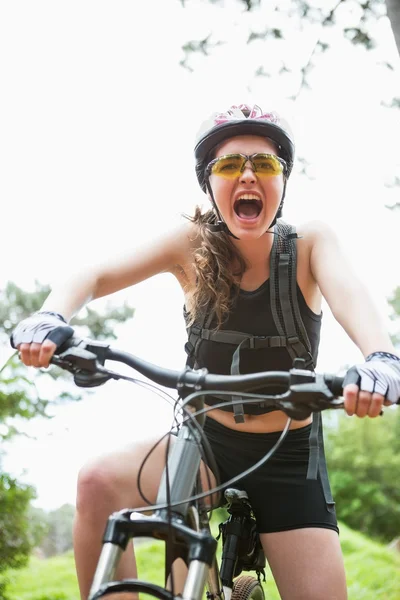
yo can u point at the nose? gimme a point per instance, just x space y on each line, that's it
248 175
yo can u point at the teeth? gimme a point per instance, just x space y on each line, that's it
249 197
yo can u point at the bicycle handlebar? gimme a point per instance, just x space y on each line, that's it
304 391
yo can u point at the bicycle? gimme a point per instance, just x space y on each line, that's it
180 516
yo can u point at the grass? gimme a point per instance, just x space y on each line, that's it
373 572
51 579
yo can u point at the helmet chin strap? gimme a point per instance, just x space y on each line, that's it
221 226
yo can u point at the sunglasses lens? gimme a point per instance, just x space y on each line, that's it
232 165
228 166
267 165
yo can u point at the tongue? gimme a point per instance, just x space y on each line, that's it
248 210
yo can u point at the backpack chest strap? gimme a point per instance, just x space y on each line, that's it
238 338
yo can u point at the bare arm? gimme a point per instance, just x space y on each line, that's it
347 297
159 256
353 308
167 254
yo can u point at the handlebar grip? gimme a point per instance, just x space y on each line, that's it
69 343
335 384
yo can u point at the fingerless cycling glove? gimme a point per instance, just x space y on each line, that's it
42 325
380 373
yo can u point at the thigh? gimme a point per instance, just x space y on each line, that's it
307 564
129 476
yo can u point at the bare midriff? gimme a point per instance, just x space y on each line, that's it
273 421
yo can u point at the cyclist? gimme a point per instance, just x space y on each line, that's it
253 288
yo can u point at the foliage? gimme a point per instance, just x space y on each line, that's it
15 538
38 525
394 302
372 572
51 530
58 534
16 304
363 457
371 568
20 396
362 16
322 24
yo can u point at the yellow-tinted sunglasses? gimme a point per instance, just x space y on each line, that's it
231 166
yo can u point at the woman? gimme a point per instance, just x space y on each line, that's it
253 289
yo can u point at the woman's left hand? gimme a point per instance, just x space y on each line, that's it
369 386
362 404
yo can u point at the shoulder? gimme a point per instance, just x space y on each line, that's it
176 241
183 240
325 250
314 230
317 245
183 243
314 234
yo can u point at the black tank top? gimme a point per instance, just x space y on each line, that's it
251 313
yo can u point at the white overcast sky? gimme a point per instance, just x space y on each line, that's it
97 123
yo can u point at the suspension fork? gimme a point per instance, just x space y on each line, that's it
126 524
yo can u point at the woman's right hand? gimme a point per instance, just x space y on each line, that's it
38 337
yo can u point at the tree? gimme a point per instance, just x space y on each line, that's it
363 457
394 302
324 16
19 394
58 537
363 15
21 399
393 13
323 24
15 541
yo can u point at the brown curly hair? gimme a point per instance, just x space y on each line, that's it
219 267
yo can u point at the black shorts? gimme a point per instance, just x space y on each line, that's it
280 494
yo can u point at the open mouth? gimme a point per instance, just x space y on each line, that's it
248 206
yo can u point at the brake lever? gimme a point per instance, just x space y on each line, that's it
63 364
75 359
307 393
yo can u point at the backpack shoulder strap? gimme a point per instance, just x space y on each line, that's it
194 332
288 320
283 289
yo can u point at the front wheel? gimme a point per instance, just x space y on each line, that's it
247 588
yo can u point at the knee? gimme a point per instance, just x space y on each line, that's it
97 488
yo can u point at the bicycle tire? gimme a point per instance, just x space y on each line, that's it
132 585
247 588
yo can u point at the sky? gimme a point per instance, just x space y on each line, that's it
97 124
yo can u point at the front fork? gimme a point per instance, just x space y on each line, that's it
126 524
